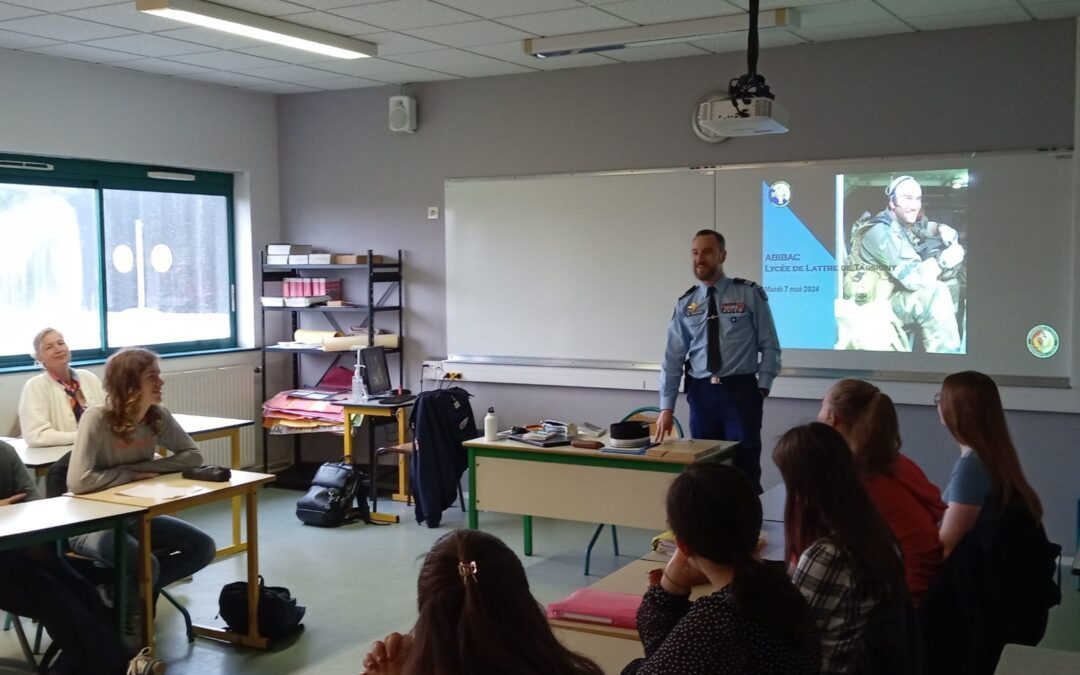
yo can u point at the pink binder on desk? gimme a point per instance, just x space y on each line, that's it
611 609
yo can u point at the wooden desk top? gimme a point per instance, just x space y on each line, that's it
681 451
240 482
36 457
198 424
47 514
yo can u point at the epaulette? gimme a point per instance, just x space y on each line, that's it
754 285
688 292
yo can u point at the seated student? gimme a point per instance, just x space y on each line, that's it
970 408
847 563
116 444
477 617
910 504
39 585
52 403
755 623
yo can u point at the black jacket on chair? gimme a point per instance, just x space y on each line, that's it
441 421
996 587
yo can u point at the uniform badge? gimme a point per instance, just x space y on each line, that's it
733 308
693 309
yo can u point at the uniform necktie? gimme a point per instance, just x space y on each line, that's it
713 333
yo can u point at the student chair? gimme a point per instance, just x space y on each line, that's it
405 450
649 415
39 666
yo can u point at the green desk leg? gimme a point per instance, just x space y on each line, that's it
120 579
474 520
528 534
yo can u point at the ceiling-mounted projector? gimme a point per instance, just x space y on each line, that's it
718 116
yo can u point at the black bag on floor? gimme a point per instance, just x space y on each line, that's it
329 500
279 615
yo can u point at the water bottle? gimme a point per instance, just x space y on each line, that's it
358 384
491 426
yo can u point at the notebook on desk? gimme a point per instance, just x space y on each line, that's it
585 604
542 442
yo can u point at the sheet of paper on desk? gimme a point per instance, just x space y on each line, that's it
158 491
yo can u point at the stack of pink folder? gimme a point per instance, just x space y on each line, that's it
612 609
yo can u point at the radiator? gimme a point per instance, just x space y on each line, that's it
218 392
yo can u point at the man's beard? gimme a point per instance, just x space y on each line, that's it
706 274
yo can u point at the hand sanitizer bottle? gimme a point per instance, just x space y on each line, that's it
491 426
358 393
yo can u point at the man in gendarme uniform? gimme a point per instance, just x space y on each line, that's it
891 241
717 332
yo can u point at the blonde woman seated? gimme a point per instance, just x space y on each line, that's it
53 402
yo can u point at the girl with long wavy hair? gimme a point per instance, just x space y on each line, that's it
910 504
847 564
969 406
477 617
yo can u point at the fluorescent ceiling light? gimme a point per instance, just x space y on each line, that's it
655 34
258 27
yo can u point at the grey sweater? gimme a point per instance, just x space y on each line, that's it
101 459
14 478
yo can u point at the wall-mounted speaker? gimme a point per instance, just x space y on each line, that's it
403 114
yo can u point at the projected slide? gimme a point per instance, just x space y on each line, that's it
881 266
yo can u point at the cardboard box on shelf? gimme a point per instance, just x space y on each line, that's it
356 259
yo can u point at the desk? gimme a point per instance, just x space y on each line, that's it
612 647
46 520
399 411
37 460
243 484
1021 660
575 484
203 428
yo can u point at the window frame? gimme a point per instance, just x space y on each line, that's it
104 175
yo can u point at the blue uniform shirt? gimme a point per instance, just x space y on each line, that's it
746 330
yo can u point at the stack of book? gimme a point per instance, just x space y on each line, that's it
288 254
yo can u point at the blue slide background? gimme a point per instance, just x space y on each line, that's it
801 292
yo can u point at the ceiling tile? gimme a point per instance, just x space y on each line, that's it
492 9
469 33
64 28
224 60
735 42
149 45
512 51
663 11
231 79
282 88
331 22
982 17
1055 10
289 73
402 14
382 70
566 21
9 40
332 4
284 54
211 38
125 16
344 83
465 64
841 13
850 31
744 5
654 52
398 43
59 5
13 12
264 7
160 66
907 9
82 53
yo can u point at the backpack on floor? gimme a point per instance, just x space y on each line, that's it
279 615
329 501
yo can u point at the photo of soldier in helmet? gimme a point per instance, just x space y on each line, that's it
904 282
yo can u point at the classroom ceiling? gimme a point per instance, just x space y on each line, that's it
427 40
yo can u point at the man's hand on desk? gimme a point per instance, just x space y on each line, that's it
663 425
13 499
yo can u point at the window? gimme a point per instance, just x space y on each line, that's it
114 255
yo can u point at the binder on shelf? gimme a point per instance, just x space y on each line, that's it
288 249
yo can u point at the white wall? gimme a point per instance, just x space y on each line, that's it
70 109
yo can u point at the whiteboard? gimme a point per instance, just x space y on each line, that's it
584 269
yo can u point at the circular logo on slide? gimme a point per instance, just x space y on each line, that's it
1042 341
779 193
